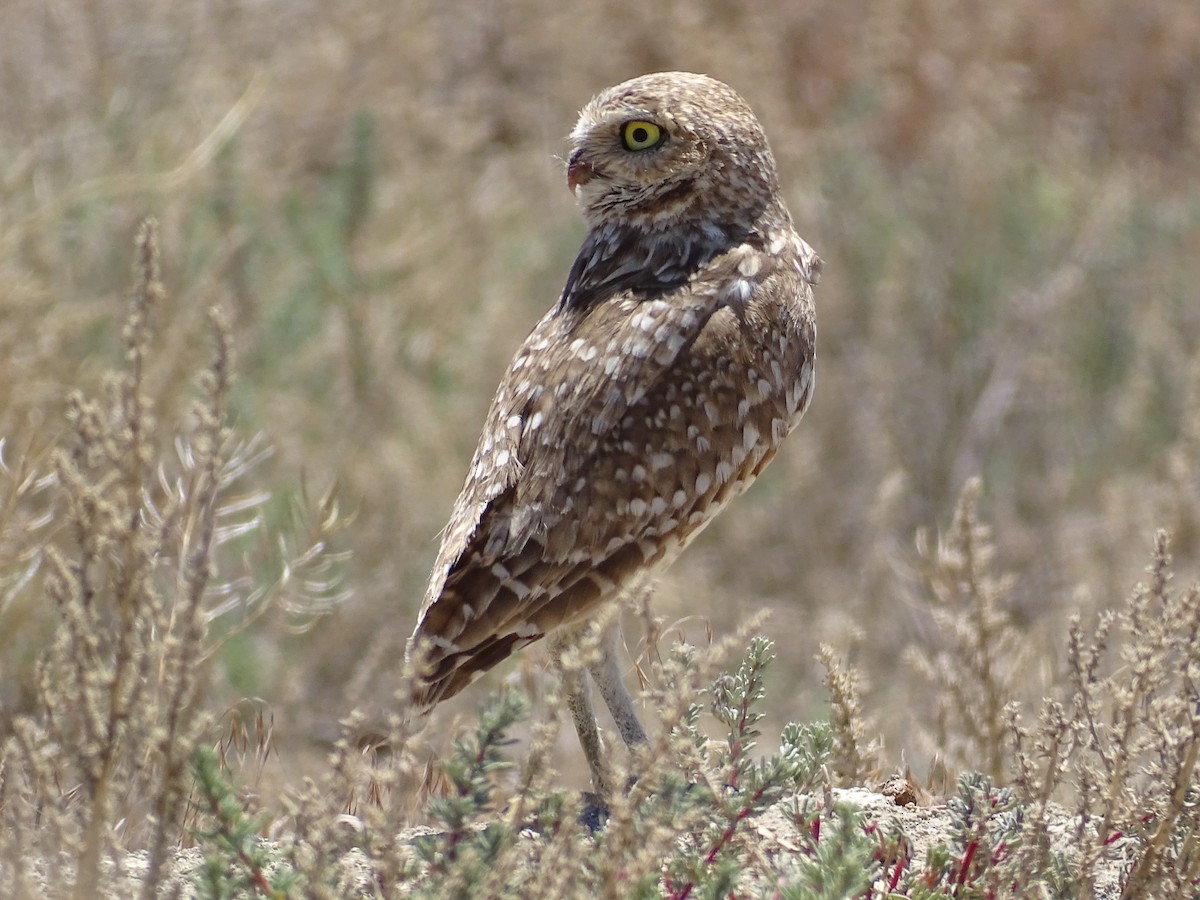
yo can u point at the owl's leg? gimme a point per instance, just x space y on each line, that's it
612 688
577 687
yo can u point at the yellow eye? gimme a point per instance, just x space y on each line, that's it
641 135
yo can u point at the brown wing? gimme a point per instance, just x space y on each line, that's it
617 432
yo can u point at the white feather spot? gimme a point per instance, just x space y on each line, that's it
638 349
749 265
637 507
794 392
679 499
638 473
703 483
749 436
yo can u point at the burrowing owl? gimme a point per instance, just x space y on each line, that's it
678 357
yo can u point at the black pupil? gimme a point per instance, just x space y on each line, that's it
640 135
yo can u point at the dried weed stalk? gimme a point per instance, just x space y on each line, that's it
975 664
1126 741
855 758
103 763
117 687
506 830
1139 733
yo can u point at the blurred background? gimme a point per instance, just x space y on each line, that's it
1006 197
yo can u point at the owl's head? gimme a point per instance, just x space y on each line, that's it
668 150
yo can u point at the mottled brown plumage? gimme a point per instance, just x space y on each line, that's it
678 357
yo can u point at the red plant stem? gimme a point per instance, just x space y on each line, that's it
729 830
723 841
895 880
966 862
260 880
1000 855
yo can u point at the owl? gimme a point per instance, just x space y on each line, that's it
678 357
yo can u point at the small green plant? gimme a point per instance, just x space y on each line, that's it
236 862
985 829
681 828
840 857
743 785
472 770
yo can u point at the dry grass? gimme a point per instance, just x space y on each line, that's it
1005 199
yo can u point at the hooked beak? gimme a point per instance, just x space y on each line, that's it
579 171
